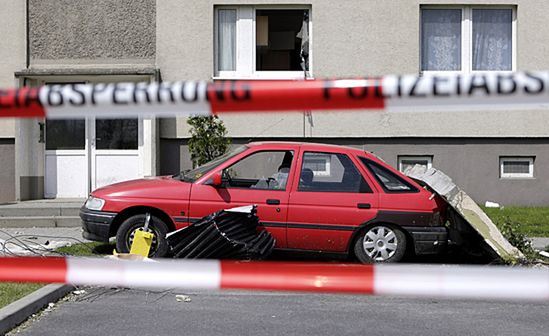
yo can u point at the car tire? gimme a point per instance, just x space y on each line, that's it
124 235
380 243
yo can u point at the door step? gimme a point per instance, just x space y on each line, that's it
41 213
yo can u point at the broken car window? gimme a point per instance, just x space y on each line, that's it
261 170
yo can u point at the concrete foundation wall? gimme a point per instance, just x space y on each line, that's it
472 163
7 170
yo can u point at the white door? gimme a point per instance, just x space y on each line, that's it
115 150
85 154
66 158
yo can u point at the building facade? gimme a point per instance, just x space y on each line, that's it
501 156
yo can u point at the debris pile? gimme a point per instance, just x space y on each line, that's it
468 221
226 234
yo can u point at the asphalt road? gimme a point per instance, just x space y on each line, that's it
139 312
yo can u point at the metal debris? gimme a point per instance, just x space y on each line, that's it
226 234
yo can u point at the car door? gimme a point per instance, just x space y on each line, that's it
330 198
263 177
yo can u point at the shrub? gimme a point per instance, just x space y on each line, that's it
208 139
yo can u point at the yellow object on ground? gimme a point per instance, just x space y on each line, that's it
141 244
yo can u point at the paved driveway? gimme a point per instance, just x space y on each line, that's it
138 312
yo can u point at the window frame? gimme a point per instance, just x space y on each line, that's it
529 175
367 163
467 38
245 67
364 182
227 186
428 158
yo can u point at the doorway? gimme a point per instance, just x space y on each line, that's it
85 154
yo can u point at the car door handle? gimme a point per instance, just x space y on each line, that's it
364 206
273 202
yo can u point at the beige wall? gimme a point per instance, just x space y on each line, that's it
350 38
12 52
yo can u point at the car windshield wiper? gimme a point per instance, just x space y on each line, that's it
181 175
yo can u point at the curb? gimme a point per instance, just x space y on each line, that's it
18 311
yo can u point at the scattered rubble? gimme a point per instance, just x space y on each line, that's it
182 298
234 233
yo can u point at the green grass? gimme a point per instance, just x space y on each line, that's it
11 291
532 221
87 249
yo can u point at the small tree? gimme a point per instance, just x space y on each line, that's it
208 139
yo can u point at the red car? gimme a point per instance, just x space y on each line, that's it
310 197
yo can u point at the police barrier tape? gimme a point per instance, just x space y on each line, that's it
473 282
440 92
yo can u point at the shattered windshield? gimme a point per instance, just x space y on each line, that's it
196 173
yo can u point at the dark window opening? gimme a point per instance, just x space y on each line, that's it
282 40
116 133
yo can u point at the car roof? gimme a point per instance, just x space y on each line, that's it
310 145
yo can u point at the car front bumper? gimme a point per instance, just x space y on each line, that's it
96 224
429 240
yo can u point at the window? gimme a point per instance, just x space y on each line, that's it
261 42
267 170
468 38
328 172
516 167
389 181
408 161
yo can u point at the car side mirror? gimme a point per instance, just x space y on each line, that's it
215 180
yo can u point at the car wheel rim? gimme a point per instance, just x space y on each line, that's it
154 243
380 243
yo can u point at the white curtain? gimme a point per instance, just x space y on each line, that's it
441 39
226 37
492 34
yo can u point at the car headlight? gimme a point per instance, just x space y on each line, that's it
94 203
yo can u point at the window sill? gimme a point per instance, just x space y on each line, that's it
507 178
267 75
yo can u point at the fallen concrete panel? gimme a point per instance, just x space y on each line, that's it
469 213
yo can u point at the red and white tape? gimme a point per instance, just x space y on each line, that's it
440 92
473 282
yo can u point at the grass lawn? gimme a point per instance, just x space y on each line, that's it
10 292
533 222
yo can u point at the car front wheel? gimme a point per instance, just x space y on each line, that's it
380 243
126 234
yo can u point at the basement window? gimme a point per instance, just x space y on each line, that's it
408 161
516 167
262 43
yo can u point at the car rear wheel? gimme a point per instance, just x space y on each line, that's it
380 243
126 234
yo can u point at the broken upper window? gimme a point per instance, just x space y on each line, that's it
468 38
270 43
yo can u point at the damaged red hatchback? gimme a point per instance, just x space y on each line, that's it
310 197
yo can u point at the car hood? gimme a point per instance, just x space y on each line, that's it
162 187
